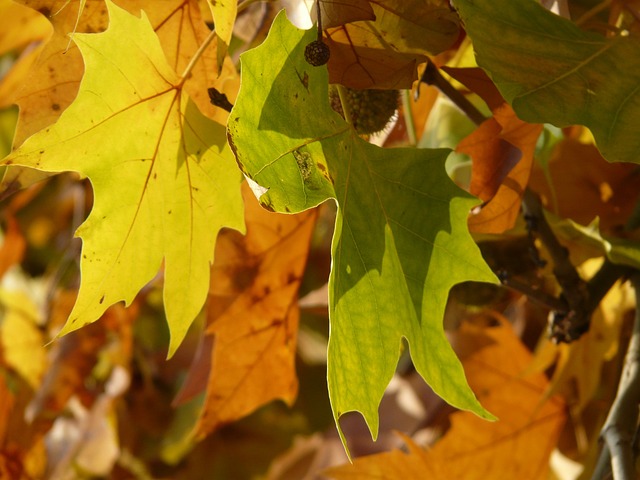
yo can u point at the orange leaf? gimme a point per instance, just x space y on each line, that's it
498 176
586 186
518 445
253 313
13 246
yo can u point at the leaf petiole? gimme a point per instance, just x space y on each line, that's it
342 92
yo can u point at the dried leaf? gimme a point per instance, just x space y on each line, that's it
338 12
253 309
496 165
385 53
587 186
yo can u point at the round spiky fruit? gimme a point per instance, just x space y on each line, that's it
317 53
371 110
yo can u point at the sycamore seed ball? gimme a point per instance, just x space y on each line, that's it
371 110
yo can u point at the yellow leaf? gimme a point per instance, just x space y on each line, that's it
164 179
253 313
22 341
53 80
224 16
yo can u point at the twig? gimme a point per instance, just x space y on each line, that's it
432 76
408 117
620 426
536 295
571 313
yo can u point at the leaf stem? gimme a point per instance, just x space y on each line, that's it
342 92
408 117
432 76
196 56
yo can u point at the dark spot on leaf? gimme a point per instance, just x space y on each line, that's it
102 299
321 166
267 206
267 291
287 209
291 278
304 79
55 107
8 162
41 152
169 212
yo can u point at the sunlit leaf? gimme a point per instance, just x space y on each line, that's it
401 223
224 16
52 83
550 71
518 445
163 177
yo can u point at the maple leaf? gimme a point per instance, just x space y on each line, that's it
253 308
502 149
51 84
385 53
517 446
163 177
550 71
401 223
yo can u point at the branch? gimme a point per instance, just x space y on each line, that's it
432 76
619 429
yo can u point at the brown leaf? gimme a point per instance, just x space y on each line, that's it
13 245
498 176
518 445
478 82
585 186
335 13
253 313
385 53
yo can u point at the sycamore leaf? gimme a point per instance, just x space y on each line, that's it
163 178
385 53
224 16
550 71
401 223
502 150
335 13
53 81
253 308
585 186
517 446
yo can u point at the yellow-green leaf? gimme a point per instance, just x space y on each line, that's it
164 180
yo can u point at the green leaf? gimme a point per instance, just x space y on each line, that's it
164 179
550 71
401 240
